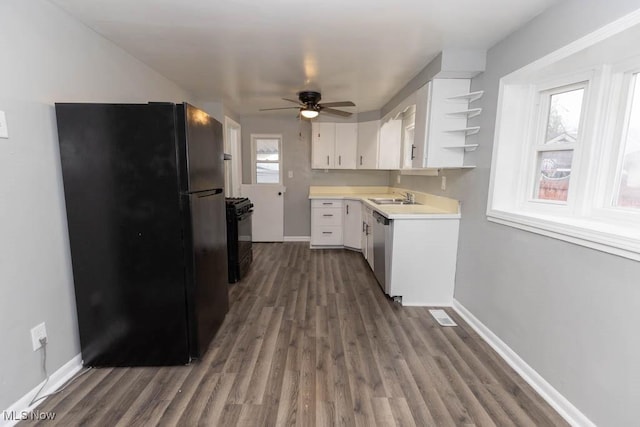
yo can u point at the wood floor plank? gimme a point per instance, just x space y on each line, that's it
310 339
258 383
382 412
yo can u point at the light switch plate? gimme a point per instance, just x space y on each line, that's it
290 174
4 132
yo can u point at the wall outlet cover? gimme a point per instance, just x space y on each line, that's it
38 332
443 184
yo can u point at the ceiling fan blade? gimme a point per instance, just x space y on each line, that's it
283 108
336 112
338 104
295 101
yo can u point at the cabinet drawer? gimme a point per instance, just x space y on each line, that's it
324 203
328 216
329 235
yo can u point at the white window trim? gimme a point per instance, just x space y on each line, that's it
254 160
594 227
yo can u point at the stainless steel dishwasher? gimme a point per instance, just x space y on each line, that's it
381 249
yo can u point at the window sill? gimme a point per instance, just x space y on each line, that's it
618 239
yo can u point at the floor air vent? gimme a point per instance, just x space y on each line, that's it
442 318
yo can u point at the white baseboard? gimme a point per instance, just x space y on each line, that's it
565 408
297 238
56 380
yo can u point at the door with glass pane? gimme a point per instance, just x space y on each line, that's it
266 190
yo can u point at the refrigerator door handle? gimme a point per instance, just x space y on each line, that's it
206 193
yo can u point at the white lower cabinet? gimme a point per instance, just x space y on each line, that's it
423 261
326 222
367 236
419 254
352 214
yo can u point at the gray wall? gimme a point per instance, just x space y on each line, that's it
570 312
296 150
296 155
47 57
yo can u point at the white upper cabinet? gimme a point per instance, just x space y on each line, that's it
333 145
367 153
390 144
323 140
441 130
346 145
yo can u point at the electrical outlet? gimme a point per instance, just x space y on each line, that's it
37 333
398 178
443 184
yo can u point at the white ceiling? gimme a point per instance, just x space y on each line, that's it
250 53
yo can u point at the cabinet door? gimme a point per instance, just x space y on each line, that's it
352 225
390 145
323 138
369 232
419 150
367 154
346 143
363 231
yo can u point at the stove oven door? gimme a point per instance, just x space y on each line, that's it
245 254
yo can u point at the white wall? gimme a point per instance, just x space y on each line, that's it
570 312
46 57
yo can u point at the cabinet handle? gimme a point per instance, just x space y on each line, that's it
339 160
413 147
327 203
360 160
327 159
363 226
327 232
327 215
347 209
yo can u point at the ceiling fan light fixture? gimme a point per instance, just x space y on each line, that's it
309 113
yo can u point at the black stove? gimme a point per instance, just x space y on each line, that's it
240 254
240 205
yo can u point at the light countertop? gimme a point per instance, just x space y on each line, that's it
430 207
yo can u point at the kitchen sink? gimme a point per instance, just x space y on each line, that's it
391 201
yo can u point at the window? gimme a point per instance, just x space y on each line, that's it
555 147
266 155
627 188
566 159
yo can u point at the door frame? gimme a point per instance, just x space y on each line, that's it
233 146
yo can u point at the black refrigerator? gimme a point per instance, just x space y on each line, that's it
143 186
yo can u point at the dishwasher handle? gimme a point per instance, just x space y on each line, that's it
381 219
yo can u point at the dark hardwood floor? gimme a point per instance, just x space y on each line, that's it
311 340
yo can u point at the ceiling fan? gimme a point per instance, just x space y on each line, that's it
309 105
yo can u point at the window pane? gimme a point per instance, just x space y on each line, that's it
267 149
564 117
554 172
628 194
267 173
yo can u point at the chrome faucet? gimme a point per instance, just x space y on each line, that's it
410 197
